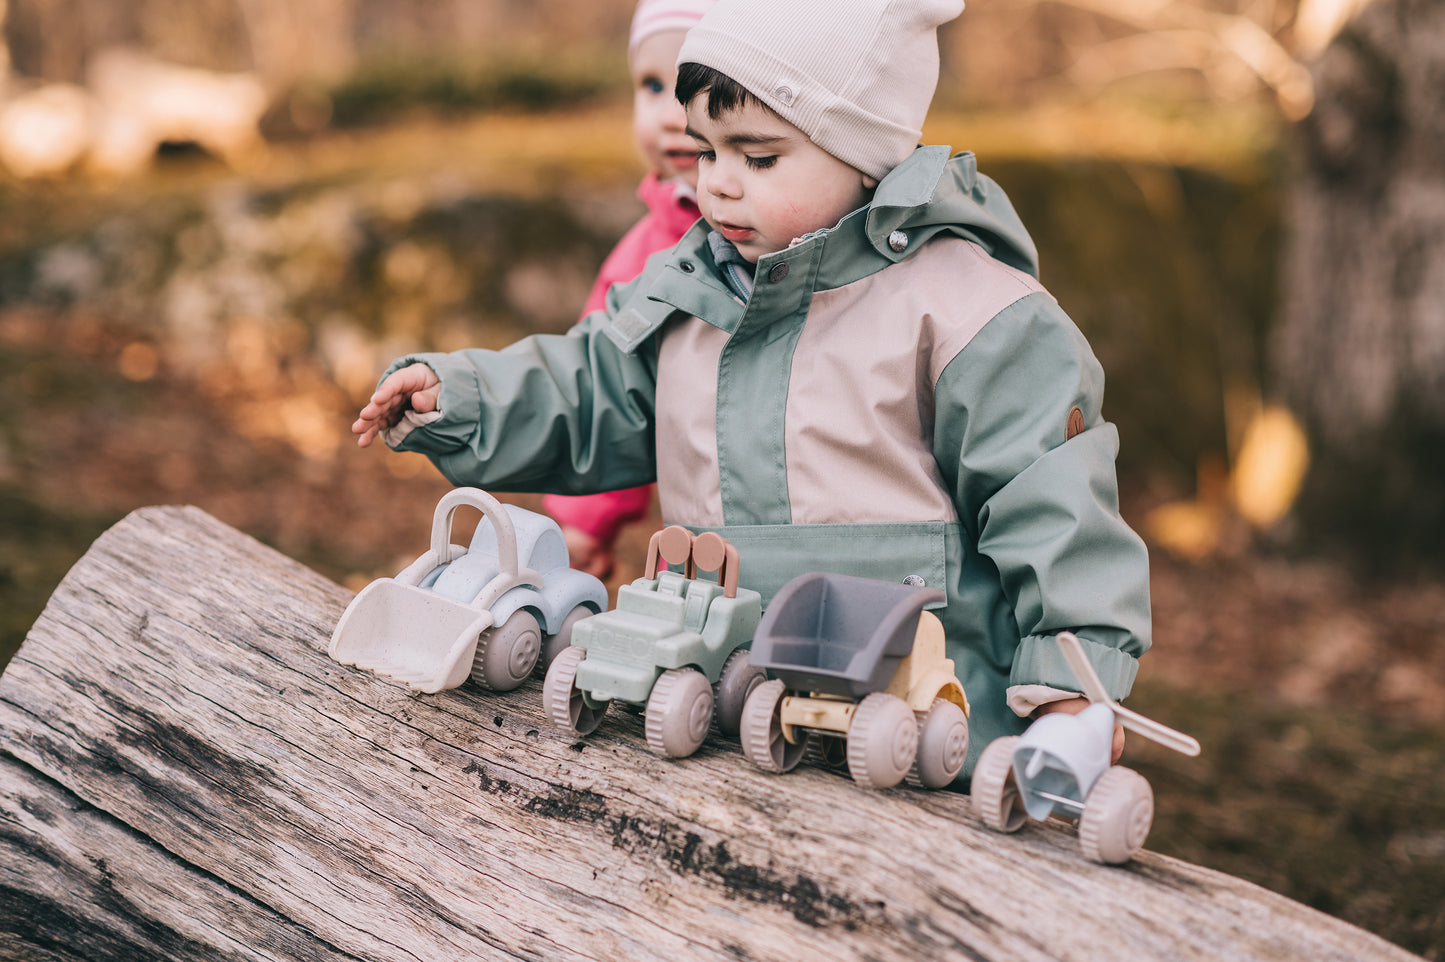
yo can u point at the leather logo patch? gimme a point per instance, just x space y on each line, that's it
1075 426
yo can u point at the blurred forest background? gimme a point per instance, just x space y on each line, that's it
220 219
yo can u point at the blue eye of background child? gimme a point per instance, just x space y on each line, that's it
653 85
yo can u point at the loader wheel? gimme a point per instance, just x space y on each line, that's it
882 741
507 653
761 730
553 644
563 700
995 793
738 680
1117 816
942 745
679 711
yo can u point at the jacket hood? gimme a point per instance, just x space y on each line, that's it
932 192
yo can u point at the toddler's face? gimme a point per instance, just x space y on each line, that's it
658 123
762 182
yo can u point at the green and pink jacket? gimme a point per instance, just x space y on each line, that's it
897 397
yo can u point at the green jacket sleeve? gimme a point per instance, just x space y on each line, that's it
1044 509
566 414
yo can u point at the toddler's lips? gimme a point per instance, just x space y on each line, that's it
682 159
736 234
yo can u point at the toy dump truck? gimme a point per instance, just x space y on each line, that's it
1061 766
858 670
473 612
675 646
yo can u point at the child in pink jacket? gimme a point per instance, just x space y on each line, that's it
591 522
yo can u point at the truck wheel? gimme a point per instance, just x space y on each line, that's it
563 700
942 745
995 795
737 681
828 751
1117 816
761 730
507 653
882 741
679 711
553 644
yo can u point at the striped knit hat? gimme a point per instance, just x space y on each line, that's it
856 76
658 16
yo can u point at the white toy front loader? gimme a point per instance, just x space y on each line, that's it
426 636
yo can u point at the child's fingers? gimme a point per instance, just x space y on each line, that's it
415 386
404 383
385 405
365 430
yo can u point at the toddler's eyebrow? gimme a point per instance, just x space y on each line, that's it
743 139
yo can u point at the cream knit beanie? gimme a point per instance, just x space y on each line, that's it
856 76
657 16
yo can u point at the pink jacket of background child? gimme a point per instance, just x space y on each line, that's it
671 210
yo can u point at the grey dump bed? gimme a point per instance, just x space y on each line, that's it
837 634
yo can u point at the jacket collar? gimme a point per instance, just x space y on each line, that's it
930 193
672 202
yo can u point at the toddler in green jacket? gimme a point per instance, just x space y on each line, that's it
848 366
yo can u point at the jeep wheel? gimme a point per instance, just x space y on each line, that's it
679 711
563 700
738 680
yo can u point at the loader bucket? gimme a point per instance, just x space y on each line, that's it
416 636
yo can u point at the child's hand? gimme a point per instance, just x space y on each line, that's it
415 387
1075 705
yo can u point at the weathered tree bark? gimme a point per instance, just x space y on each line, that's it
1360 352
184 774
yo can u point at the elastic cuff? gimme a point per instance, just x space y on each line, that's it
410 421
1040 661
1023 700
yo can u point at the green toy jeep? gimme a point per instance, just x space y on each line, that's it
674 647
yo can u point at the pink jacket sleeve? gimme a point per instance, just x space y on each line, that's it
667 219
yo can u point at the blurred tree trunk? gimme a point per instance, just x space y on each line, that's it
289 40
1360 353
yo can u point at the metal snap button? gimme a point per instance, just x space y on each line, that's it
778 272
898 240
687 267
915 581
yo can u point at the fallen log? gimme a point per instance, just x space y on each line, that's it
185 774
